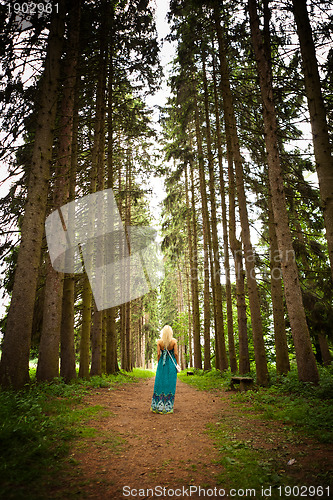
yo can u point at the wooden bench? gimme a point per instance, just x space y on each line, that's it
244 382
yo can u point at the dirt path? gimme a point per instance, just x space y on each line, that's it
134 450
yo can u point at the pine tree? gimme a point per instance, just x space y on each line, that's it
320 135
231 129
307 369
14 365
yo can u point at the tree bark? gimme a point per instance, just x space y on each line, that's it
14 365
194 277
320 135
180 309
97 184
48 360
193 258
111 343
280 337
103 355
67 341
231 340
111 335
215 263
189 315
128 312
85 329
236 249
67 346
307 368
206 237
231 129
324 349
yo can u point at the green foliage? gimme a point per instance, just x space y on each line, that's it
302 407
257 468
168 297
36 427
305 406
38 424
207 380
141 373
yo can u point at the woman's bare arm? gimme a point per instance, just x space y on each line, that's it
175 350
158 351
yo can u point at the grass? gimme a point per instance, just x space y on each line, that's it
38 424
304 409
307 407
206 381
304 405
243 467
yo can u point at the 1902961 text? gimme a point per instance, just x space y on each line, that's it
31 8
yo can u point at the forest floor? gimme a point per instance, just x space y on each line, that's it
209 442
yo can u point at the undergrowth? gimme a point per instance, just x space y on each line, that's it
244 468
301 407
207 380
306 406
38 424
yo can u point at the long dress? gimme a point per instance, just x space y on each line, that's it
165 383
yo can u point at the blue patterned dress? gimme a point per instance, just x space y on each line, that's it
165 383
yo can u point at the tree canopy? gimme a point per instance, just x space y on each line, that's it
243 150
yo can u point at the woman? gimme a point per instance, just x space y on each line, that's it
166 374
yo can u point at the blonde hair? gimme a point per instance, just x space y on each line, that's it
166 335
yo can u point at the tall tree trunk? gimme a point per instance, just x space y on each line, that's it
307 368
111 340
231 341
137 338
122 309
215 264
236 249
85 328
97 184
320 135
122 336
180 309
143 340
194 276
67 345
48 356
96 343
128 311
189 315
320 341
103 355
206 236
324 349
280 337
231 129
86 322
122 253
14 365
193 258
48 360
111 343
